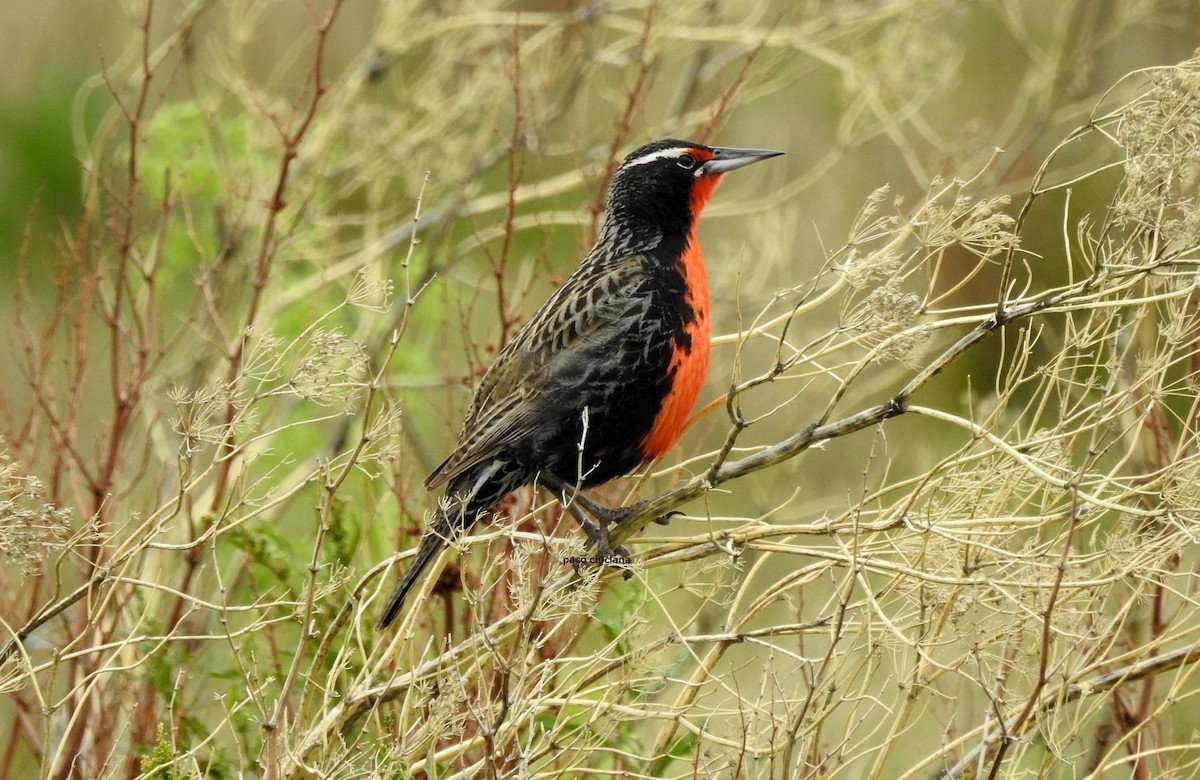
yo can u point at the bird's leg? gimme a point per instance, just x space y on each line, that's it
597 534
612 516
580 505
588 511
577 502
608 516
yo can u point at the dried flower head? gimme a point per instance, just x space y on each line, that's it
31 529
330 370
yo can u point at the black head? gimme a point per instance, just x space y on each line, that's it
667 183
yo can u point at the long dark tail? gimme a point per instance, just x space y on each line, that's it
431 544
469 494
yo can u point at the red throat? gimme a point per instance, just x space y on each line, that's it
702 191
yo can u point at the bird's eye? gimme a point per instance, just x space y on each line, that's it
687 161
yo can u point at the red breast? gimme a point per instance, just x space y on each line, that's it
689 361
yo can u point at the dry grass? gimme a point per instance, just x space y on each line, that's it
942 504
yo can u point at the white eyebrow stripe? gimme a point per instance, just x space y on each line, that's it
669 152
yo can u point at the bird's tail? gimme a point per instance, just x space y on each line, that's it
431 544
467 496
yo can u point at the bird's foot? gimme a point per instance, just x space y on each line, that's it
617 516
596 519
609 516
601 549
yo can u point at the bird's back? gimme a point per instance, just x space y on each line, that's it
581 390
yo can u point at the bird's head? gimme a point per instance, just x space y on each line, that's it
667 183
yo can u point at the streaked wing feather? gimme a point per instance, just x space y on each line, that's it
596 302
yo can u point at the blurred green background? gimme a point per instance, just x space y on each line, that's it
969 82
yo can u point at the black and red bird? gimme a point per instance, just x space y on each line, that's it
603 377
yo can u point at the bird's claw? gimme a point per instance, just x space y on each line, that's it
596 519
612 516
666 519
597 537
621 551
602 550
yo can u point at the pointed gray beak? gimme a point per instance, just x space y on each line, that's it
727 158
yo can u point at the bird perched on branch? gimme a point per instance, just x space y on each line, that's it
603 377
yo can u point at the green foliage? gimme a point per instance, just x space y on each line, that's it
159 762
205 153
200 161
271 548
39 174
345 532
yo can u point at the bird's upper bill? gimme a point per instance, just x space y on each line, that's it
728 158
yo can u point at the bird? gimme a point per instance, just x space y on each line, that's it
602 378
